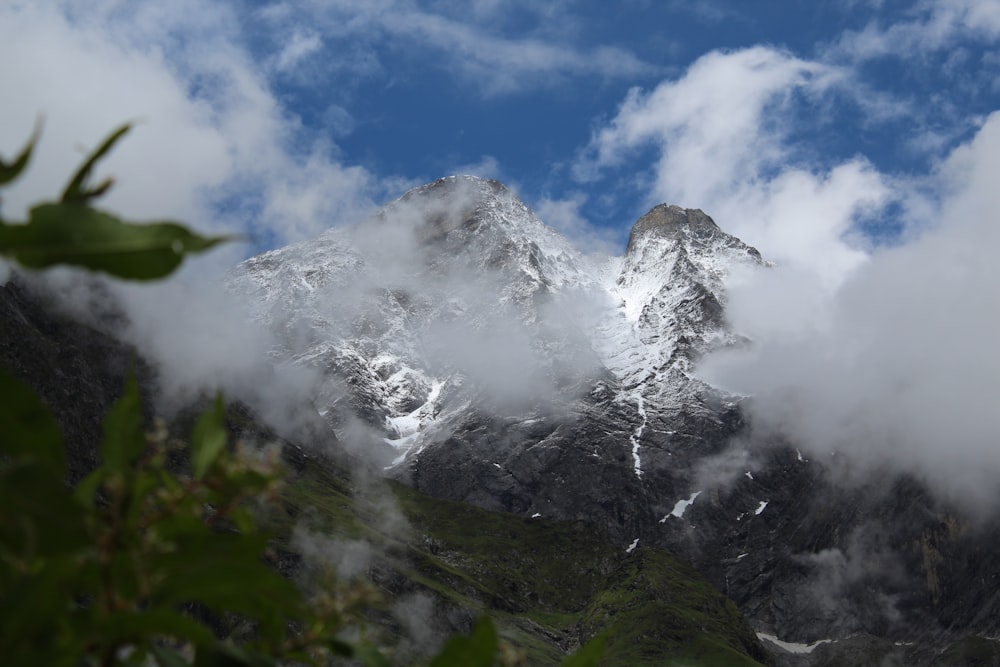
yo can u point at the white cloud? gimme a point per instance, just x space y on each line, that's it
215 149
502 64
899 367
471 43
486 166
886 357
565 214
301 45
934 26
708 11
85 85
721 136
211 127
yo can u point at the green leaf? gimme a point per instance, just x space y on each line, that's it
27 429
208 440
588 655
477 650
226 575
8 172
135 627
123 436
227 655
86 491
38 515
76 190
76 234
369 656
167 658
36 617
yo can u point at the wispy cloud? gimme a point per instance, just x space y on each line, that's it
471 45
214 147
568 215
932 26
502 64
300 45
884 356
898 368
721 137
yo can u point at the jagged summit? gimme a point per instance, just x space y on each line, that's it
672 221
456 182
444 205
456 294
689 225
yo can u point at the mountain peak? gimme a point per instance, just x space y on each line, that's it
444 206
464 186
673 222
691 227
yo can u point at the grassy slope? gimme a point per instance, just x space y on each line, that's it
548 585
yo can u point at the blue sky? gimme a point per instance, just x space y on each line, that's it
856 143
557 99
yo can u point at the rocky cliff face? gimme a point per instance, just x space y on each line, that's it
472 352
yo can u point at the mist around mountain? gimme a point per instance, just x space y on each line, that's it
575 387
457 344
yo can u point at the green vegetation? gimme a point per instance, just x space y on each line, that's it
155 556
548 585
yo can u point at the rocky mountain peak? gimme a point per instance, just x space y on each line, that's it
672 221
444 206
691 227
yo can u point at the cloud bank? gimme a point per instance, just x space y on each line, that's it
214 147
722 140
881 354
898 367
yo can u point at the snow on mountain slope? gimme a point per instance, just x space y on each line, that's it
457 292
669 289
474 353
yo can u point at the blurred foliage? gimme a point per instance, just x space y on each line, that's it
71 231
139 562
156 557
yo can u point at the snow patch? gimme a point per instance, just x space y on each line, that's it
632 546
760 508
749 475
536 515
409 427
793 647
641 406
680 507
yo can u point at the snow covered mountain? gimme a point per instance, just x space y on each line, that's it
471 351
457 295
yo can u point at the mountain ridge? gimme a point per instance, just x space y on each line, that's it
504 369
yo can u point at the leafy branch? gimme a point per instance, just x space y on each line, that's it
72 232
